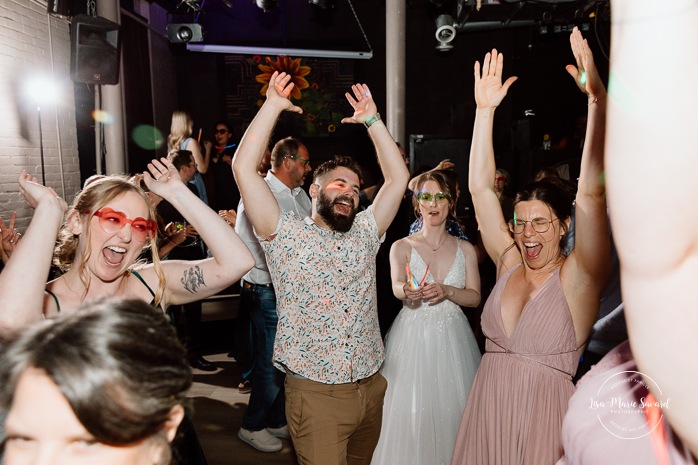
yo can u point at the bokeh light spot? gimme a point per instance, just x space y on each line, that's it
103 117
147 137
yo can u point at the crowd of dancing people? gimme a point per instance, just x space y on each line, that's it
92 369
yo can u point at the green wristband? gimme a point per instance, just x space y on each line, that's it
372 119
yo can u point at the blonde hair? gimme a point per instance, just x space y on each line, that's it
91 199
181 127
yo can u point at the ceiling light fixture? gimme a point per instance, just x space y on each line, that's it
267 5
296 52
445 32
188 32
324 4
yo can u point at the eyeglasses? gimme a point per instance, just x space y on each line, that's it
425 198
539 225
112 222
299 159
220 131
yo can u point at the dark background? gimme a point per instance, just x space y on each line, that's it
439 101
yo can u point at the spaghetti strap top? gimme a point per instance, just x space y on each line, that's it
140 278
135 273
58 305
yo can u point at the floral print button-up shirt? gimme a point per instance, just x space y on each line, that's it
325 283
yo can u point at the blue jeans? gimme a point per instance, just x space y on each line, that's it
266 408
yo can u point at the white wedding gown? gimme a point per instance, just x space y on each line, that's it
431 357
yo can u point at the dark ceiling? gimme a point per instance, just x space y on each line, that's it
304 24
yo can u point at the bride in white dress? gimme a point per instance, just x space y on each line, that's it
431 353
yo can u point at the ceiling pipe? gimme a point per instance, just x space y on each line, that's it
494 25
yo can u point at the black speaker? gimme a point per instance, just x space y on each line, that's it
94 50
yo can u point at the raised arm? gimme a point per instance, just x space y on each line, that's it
592 241
444 164
651 160
261 206
395 173
188 281
202 161
23 280
489 93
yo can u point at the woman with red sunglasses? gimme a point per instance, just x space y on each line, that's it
109 225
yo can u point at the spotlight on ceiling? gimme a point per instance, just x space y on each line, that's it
191 32
445 32
266 5
324 4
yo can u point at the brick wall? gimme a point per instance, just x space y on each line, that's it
33 44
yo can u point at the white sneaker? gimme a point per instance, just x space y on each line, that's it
281 433
261 440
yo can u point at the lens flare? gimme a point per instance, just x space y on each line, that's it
147 137
103 117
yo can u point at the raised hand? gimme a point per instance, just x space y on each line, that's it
35 193
489 90
585 74
10 236
279 90
362 103
445 164
161 177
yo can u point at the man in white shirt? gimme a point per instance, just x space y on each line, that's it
264 420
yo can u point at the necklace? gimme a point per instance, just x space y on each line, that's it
433 250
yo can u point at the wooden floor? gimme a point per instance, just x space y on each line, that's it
217 414
217 405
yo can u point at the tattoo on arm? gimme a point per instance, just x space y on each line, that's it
193 279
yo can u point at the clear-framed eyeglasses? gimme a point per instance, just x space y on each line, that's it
539 225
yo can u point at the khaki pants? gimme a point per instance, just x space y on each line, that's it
335 424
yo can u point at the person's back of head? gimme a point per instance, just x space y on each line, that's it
181 127
180 158
546 173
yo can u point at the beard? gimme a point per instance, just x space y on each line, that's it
336 221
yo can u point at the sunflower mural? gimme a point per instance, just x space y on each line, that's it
286 65
322 114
